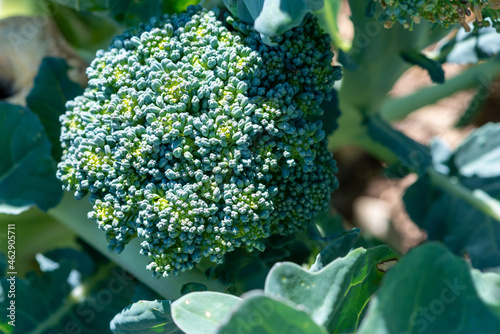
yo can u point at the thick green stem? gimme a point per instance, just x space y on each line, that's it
483 74
376 64
475 197
73 214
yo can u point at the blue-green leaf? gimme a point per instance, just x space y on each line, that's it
258 314
458 201
429 291
272 17
471 47
336 296
145 317
27 170
279 16
433 67
48 98
72 294
479 154
203 312
488 288
411 154
129 12
3 264
339 247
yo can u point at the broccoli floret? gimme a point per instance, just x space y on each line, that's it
438 11
199 138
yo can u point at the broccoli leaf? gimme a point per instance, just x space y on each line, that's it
430 291
339 247
3 264
471 47
411 154
433 67
48 97
147 317
72 294
272 17
479 154
336 296
258 314
488 288
202 312
27 170
129 12
85 5
459 204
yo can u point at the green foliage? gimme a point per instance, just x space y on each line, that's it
339 247
412 155
72 292
336 296
445 13
147 317
128 12
428 292
244 271
434 68
52 77
202 311
272 17
331 300
26 169
260 314
470 48
458 202
3 264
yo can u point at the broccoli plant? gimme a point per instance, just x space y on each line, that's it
185 182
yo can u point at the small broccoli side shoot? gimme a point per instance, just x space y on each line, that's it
443 12
198 138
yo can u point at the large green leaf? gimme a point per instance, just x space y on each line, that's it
471 47
272 17
202 312
479 154
3 264
336 296
339 247
128 12
244 271
86 31
414 156
72 294
432 66
145 317
458 201
85 5
48 98
258 314
488 288
27 170
429 291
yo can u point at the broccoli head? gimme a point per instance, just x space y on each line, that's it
438 11
197 137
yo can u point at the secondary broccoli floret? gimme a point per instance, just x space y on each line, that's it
199 138
444 12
